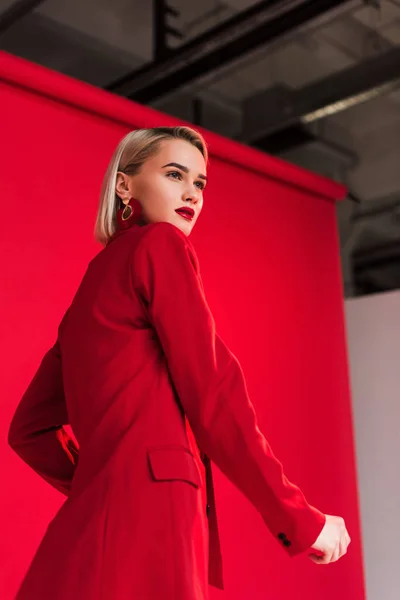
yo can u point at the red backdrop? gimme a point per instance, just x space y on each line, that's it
268 250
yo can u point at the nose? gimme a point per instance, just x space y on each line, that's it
193 199
194 196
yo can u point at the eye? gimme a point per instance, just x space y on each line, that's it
178 176
174 174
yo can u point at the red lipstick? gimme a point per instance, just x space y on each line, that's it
186 212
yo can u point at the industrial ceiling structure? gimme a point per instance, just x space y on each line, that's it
314 82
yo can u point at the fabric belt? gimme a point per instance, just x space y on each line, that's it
215 571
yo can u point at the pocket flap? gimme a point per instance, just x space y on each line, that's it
171 463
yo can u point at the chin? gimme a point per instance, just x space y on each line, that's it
184 226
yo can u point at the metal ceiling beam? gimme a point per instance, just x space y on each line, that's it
279 108
162 11
377 255
17 11
220 46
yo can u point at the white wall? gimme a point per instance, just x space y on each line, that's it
373 324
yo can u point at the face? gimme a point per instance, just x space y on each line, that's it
172 180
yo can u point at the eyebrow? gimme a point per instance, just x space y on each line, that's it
184 169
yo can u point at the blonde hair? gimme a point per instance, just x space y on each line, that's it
132 151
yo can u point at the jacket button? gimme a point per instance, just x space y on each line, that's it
282 536
287 543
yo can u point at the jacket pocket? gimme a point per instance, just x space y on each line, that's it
173 463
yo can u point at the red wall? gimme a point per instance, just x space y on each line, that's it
268 251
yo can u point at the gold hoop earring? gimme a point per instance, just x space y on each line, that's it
127 212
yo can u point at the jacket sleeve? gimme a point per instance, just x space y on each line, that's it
36 432
211 386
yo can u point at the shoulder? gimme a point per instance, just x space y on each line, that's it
163 240
162 231
164 235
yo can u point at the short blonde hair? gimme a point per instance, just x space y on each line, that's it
132 151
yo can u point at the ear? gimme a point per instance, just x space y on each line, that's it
122 187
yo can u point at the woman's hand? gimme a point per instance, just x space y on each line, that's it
332 542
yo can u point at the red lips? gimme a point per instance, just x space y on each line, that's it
186 212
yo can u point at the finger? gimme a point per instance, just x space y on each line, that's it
345 541
343 547
315 559
335 554
318 560
316 555
325 559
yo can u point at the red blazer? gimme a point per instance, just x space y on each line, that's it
137 354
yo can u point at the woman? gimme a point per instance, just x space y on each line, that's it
136 368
